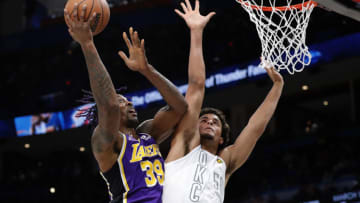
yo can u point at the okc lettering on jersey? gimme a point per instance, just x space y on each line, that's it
198 184
139 152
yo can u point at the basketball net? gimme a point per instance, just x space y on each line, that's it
282 31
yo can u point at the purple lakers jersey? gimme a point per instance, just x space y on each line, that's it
138 174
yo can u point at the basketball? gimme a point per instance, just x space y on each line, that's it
100 7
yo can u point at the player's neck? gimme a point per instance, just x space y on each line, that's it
209 146
129 131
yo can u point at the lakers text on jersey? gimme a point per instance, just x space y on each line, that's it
138 175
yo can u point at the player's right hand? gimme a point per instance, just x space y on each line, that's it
79 29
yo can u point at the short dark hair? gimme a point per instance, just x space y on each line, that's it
91 114
225 129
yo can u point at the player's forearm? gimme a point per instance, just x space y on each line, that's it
196 59
265 111
100 81
167 90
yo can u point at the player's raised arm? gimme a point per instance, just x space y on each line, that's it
235 155
177 106
103 90
187 136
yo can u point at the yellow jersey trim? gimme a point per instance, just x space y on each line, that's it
122 172
108 185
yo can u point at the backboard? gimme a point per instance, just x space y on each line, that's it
349 8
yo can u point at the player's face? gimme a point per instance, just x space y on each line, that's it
128 112
210 127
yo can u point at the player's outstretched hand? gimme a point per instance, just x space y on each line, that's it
274 75
192 17
137 60
79 29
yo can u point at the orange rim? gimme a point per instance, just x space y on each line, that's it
281 8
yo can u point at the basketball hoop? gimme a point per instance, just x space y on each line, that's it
282 31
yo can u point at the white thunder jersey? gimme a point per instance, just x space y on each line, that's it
197 177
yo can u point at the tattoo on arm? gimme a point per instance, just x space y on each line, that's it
106 99
100 81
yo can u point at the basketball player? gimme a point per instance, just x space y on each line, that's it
130 163
198 165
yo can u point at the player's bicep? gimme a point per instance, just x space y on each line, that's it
164 122
104 148
241 149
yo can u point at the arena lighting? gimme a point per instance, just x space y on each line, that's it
26 146
305 87
313 201
52 190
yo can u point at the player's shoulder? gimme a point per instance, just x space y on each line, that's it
145 126
145 136
225 155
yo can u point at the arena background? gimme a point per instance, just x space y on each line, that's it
309 152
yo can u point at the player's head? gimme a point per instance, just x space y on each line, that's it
127 110
213 126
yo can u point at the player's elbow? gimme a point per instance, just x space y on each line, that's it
98 145
197 81
183 107
102 140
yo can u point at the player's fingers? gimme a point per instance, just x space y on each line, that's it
71 33
265 63
66 13
82 13
75 12
131 33
127 41
143 45
67 18
179 13
136 38
210 15
123 56
197 5
92 17
184 7
188 5
268 70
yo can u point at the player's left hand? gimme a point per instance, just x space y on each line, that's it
274 75
192 17
137 60
79 29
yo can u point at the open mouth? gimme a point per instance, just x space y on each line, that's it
132 111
